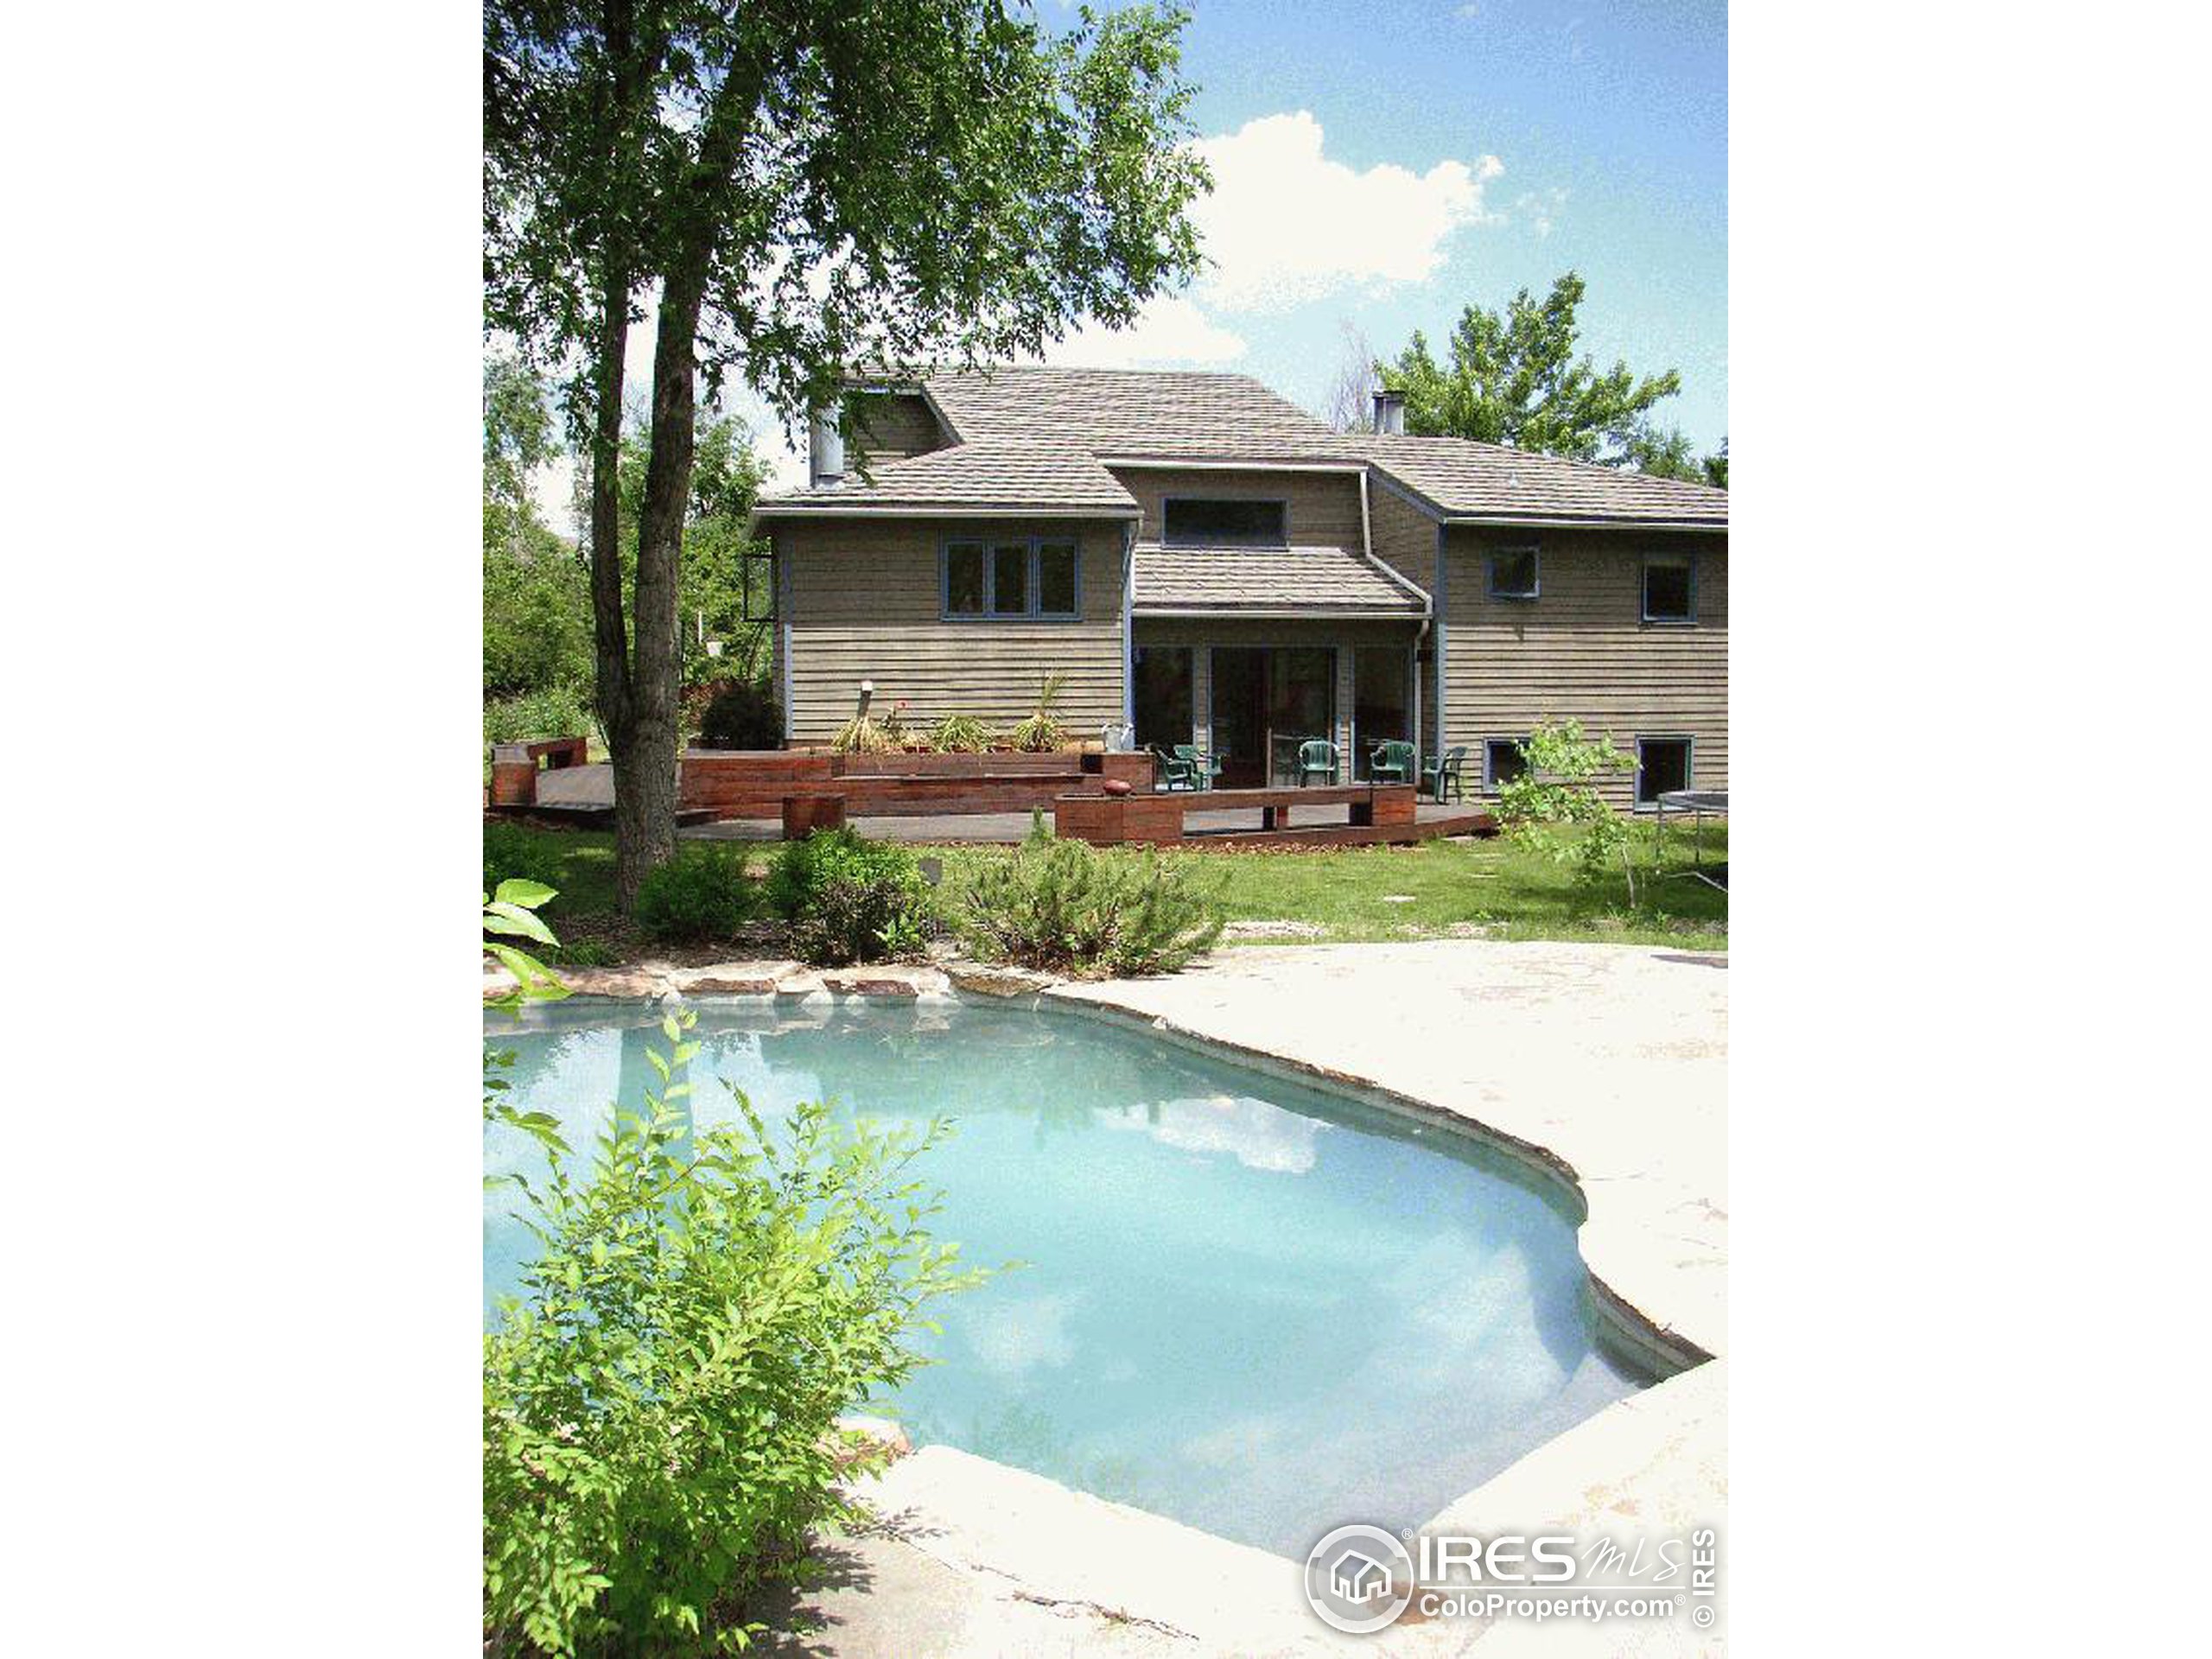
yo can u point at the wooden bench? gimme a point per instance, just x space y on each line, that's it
1383 811
515 766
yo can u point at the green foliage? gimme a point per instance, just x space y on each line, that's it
742 716
960 734
702 892
660 1433
586 953
555 711
508 913
806 188
1040 731
512 853
850 899
1063 906
1515 379
1555 805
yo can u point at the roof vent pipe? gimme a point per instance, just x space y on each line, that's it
1390 413
825 450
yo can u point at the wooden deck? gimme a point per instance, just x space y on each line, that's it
1373 814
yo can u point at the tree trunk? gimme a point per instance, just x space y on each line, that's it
646 778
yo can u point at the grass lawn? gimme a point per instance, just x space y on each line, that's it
1441 889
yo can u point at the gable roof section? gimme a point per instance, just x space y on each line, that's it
1030 439
1153 414
1026 477
1216 580
1458 478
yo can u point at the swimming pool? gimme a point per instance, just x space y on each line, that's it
1250 1305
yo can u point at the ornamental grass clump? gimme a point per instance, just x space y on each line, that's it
960 734
850 899
661 1401
1040 731
1065 907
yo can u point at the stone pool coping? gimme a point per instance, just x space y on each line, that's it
1602 1065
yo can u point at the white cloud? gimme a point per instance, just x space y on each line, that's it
1170 332
1541 208
1286 224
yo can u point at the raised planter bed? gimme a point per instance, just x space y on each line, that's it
754 783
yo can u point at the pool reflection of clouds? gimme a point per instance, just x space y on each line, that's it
1259 1135
1184 1330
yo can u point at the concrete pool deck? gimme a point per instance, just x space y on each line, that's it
1605 1064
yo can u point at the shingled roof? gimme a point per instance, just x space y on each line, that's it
1032 439
1459 477
1026 476
1215 581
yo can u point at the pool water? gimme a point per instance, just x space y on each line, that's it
1251 1306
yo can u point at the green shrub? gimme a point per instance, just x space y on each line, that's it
701 893
960 734
850 899
1064 906
555 711
742 716
1554 806
660 1430
512 853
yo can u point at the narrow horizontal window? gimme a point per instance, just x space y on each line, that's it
1670 590
1197 522
1513 573
1010 579
1503 760
1663 764
1056 579
963 579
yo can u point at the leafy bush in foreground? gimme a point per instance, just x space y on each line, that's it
850 899
660 1402
1065 906
701 893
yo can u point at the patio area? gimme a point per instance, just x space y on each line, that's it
594 786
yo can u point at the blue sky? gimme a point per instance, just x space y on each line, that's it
1381 163
1385 162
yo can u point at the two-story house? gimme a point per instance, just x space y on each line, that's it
1207 562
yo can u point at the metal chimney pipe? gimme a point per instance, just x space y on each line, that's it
1390 412
825 450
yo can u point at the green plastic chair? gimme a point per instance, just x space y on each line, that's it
1172 771
1317 757
1446 774
1391 763
1203 769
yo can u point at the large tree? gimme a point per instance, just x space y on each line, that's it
1514 377
801 189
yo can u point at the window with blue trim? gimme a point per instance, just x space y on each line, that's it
1503 760
1663 764
1001 580
1513 573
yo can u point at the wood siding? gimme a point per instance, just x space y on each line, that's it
1580 650
1406 540
1323 508
890 426
863 603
